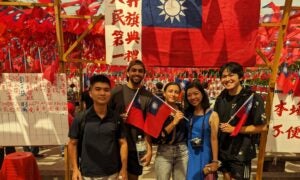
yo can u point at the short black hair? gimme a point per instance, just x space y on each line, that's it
205 100
99 78
136 62
159 85
232 67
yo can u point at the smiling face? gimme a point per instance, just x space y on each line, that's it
194 96
230 81
100 93
171 94
136 74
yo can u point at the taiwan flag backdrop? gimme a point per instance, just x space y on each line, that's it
199 32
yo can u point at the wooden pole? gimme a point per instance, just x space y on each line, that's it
26 4
263 138
60 49
59 34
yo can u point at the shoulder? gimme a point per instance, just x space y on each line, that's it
117 89
145 92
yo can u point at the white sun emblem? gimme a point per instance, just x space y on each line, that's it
172 9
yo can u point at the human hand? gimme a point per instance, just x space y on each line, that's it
123 174
124 116
76 175
178 117
226 127
147 158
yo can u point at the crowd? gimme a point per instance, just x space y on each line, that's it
196 140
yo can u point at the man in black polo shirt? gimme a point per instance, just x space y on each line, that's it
104 146
236 152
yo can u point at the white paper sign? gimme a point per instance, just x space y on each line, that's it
122 31
284 129
32 110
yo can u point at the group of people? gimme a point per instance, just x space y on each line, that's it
194 143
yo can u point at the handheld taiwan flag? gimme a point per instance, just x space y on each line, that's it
199 32
134 111
296 88
156 116
242 113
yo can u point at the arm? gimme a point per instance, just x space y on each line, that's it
124 155
148 156
72 147
177 118
250 129
214 125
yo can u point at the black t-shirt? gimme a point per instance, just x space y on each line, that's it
100 145
120 99
240 147
179 133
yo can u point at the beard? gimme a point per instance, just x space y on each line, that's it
135 81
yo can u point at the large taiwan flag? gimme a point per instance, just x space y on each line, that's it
199 32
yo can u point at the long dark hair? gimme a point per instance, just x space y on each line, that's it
189 109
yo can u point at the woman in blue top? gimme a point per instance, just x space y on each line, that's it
202 135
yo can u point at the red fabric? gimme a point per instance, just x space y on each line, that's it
228 32
50 71
243 115
284 82
135 115
71 108
20 165
70 119
156 116
296 89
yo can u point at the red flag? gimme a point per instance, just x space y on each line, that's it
156 116
283 81
135 114
50 71
199 33
296 89
242 113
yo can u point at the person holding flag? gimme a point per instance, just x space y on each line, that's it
165 122
131 101
242 118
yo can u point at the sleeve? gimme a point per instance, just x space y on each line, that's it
258 110
74 129
121 130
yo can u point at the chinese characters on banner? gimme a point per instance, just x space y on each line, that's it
284 129
122 31
32 110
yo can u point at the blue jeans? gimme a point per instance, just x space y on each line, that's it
171 161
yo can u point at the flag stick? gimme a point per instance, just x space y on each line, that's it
9 60
169 106
131 102
231 118
40 57
25 61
